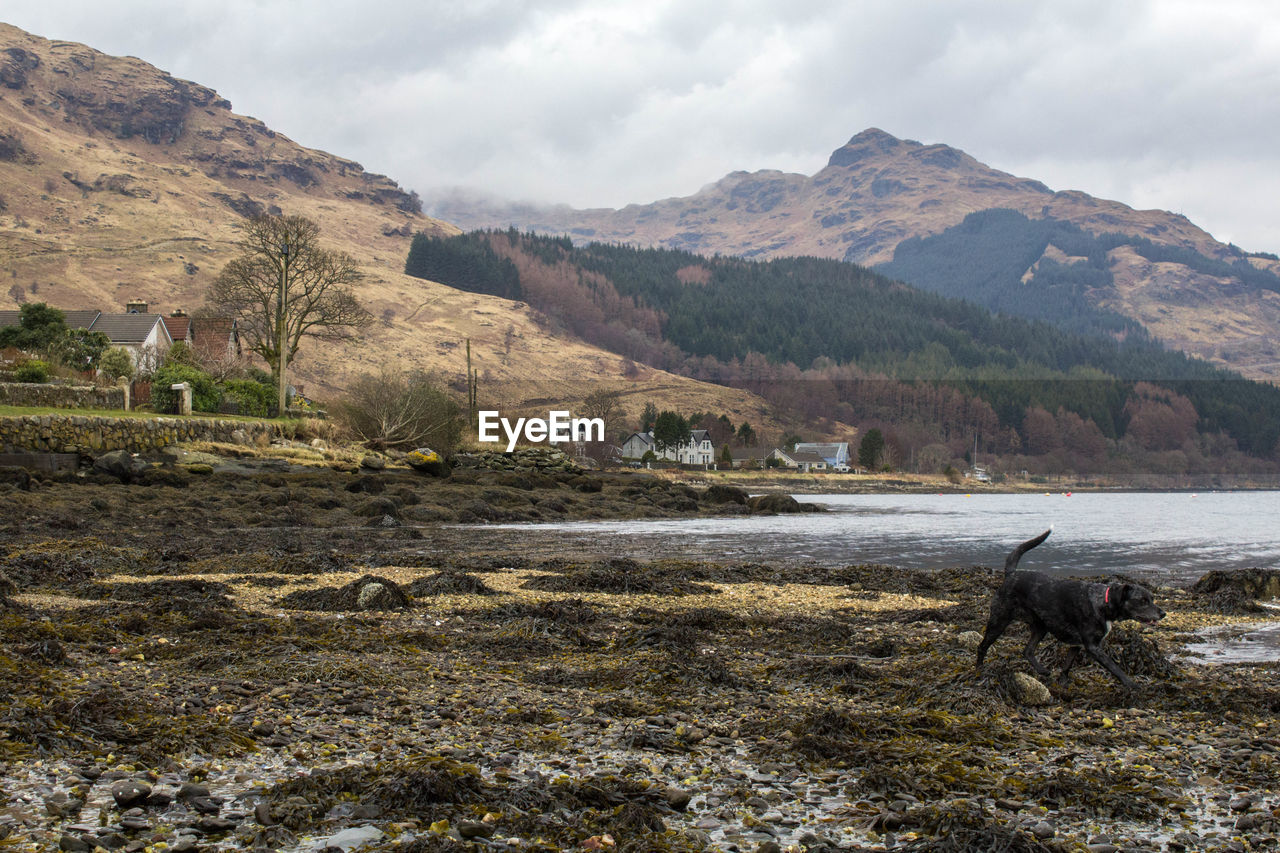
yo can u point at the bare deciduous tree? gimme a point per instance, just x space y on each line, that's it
284 252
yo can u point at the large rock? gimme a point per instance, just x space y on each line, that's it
121 463
774 503
719 493
1259 584
427 461
377 596
1028 691
351 839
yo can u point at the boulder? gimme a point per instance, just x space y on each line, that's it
722 494
1028 691
427 461
122 464
774 503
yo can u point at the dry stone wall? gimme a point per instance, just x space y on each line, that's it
55 396
92 435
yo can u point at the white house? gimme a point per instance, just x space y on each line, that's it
637 444
143 336
698 450
800 460
836 453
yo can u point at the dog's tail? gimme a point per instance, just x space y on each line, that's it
1011 562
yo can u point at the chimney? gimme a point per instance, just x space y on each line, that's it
135 306
178 312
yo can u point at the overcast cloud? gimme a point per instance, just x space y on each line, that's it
1164 104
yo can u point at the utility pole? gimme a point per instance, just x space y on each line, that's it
282 328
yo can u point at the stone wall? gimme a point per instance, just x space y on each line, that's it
56 396
96 435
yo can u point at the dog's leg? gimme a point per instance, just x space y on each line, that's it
1072 657
1111 666
1038 631
995 627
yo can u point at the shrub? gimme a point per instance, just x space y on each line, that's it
205 394
397 408
79 349
181 353
251 397
115 364
32 371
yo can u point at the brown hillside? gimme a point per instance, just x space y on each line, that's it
879 190
118 181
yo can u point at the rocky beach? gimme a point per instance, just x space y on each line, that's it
203 652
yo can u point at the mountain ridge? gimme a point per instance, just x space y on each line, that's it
119 181
877 191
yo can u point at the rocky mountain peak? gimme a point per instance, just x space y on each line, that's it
872 142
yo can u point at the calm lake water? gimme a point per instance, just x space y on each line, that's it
1171 538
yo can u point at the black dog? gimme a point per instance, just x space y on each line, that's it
1077 613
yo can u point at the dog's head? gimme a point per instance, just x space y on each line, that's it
1136 603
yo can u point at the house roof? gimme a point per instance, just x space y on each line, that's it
78 318
643 436
219 329
823 448
697 436
214 337
177 327
82 318
749 452
802 457
127 328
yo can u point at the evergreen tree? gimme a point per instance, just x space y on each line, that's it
870 449
670 431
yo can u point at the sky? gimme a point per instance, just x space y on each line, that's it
1165 104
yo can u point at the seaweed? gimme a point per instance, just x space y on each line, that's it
449 583
356 595
621 575
963 826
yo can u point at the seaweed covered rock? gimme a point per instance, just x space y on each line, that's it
774 503
719 493
620 575
15 476
383 594
1258 584
449 583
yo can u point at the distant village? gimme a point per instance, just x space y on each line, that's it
699 450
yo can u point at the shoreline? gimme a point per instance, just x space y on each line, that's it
312 670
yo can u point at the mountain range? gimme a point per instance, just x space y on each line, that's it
119 182
878 192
